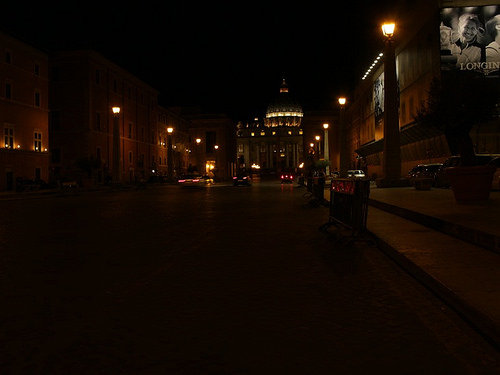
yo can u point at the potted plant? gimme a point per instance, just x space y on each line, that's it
455 104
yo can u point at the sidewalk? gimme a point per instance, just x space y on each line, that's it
453 249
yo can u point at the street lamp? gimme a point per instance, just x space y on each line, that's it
388 29
342 139
391 166
116 145
327 151
170 155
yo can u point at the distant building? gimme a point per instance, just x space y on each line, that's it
211 137
275 142
24 152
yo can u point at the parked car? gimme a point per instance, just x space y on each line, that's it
423 171
440 178
242 178
495 183
355 173
287 176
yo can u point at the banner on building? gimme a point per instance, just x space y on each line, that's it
470 39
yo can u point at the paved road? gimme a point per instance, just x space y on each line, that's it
222 280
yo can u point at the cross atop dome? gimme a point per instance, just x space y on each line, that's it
284 87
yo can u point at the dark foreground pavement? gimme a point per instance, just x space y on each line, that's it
217 281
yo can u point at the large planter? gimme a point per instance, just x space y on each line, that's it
471 183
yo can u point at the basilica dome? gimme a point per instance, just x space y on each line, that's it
284 110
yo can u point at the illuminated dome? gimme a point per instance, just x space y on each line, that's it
284 111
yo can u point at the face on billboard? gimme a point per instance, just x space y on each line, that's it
470 39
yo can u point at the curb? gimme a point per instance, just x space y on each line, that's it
473 236
481 322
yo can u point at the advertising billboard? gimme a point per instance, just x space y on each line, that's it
470 39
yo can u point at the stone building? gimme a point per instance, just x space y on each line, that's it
85 86
24 153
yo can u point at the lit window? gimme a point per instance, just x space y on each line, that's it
9 137
37 143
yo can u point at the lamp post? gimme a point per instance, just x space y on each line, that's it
170 155
326 149
217 170
199 166
342 139
116 145
391 166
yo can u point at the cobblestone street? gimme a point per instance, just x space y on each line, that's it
219 280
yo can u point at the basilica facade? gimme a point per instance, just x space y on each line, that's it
274 143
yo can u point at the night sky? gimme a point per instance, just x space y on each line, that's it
222 56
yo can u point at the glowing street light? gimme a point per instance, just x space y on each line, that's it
170 154
388 29
116 145
327 151
342 139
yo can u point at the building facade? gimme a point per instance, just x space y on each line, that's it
24 155
419 60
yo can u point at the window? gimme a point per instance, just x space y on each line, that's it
37 69
37 99
9 137
8 57
97 77
8 90
130 157
210 141
97 121
37 143
130 130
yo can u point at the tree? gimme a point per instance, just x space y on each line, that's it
455 104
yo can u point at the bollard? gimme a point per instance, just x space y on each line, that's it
309 184
319 188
